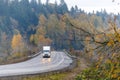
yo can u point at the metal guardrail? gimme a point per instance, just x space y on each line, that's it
69 54
74 60
35 54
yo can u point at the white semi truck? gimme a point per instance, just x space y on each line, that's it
46 52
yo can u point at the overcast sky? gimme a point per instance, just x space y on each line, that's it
90 5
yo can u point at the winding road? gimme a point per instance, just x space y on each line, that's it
38 64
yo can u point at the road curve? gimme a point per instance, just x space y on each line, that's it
58 60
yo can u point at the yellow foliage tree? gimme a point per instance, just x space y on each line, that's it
42 20
17 43
40 40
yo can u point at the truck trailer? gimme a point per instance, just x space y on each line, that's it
46 52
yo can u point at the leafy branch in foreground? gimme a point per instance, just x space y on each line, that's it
109 38
100 46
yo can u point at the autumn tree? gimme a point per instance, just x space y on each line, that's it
42 20
39 38
17 43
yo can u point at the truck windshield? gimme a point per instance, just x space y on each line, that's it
46 51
